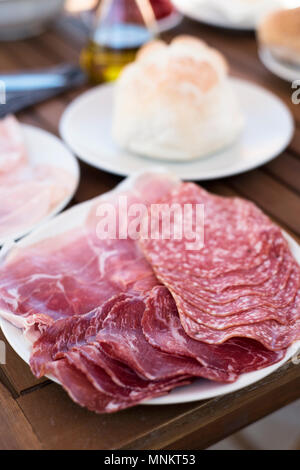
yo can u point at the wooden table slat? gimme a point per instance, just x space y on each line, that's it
286 169
65 425
15 431
273 197
17 374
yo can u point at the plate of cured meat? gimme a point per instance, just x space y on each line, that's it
122 304
38 178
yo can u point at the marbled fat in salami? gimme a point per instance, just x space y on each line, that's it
244 282
270 333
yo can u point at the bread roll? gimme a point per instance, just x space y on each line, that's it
175 102
280 32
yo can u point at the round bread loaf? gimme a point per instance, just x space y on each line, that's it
175 102
280 32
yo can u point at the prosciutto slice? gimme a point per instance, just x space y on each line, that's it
69 349
163 329
77 271
12 148
52 280
121 366
87 393
122 338
28 192
79 334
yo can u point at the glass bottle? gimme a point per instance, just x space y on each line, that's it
121 28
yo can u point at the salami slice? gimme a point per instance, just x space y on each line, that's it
235 231
244 310
163 329
272 275
270 333
216 290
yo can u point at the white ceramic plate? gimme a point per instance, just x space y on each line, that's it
44 148
86 128
207 15
203 11
200 389
283 70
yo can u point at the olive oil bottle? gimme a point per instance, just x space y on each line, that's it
121 28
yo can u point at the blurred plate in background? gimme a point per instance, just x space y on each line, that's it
205 14
44 148
24 18
283 70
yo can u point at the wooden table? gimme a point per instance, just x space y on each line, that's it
38 414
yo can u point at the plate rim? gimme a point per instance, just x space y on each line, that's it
62 204
81 152
230 26
272 65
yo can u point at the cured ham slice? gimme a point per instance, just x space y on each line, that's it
122 338
72 333
68 351
77 271
28 193
102 382
69 280
244 282
123 376
12 148
52 280
82 391
86 393
163 329
19 201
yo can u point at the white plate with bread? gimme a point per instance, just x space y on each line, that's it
279 43
177 107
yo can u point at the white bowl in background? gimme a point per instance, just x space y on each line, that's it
24 18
